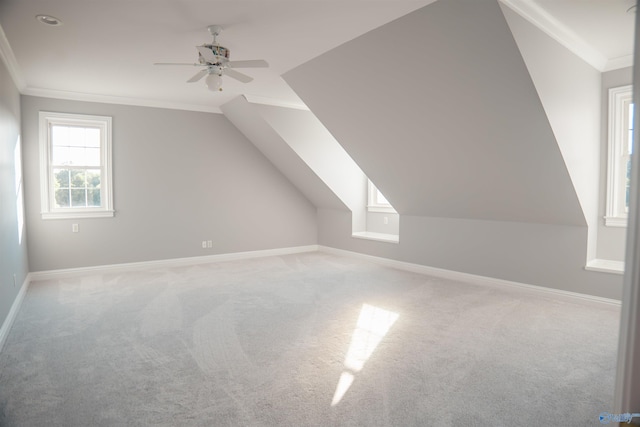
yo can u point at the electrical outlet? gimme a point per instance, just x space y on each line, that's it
209 244
386 220
74 228
204 244
15 280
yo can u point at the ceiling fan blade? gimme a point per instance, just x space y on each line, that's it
252 63
178 63
200 74
207 54
237 75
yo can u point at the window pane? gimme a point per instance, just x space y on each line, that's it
62 198
77 179
92 157
93 198
77 156
59 134
380 199
93 178
76 137
78 198
92 137
61 177
60 155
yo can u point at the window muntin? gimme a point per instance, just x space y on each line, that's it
75 153
620 150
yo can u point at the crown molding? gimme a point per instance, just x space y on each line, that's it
9 59
539 17
619 62
107 99
7 56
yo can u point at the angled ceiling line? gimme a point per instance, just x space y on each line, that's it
559 32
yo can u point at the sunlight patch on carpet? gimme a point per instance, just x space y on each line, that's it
373 324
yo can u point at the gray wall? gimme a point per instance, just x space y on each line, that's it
611 240
537 254
569 89
179 178
457 129
13 253
460 144
375 222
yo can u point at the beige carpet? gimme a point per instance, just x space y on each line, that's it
302 340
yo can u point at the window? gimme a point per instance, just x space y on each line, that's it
75 166
620 150
377 202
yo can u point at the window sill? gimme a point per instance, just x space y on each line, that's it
379 237
605 266
72 215
615 221
384 209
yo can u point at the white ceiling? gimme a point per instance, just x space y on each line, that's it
105 50
614 35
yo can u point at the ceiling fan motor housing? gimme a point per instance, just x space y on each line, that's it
220 52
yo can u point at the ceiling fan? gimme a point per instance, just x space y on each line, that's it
215 60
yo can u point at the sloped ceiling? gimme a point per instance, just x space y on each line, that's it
248 119
306 153
317 148
439 110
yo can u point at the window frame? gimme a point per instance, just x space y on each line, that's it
619 100
372 200
104 123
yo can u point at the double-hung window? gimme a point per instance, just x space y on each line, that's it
75 166
619 153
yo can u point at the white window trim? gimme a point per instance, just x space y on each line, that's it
372 205
619 98
48 211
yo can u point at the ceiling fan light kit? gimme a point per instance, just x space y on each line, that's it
215 59
214 82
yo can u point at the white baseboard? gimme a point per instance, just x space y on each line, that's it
176 262
13 312
466 277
